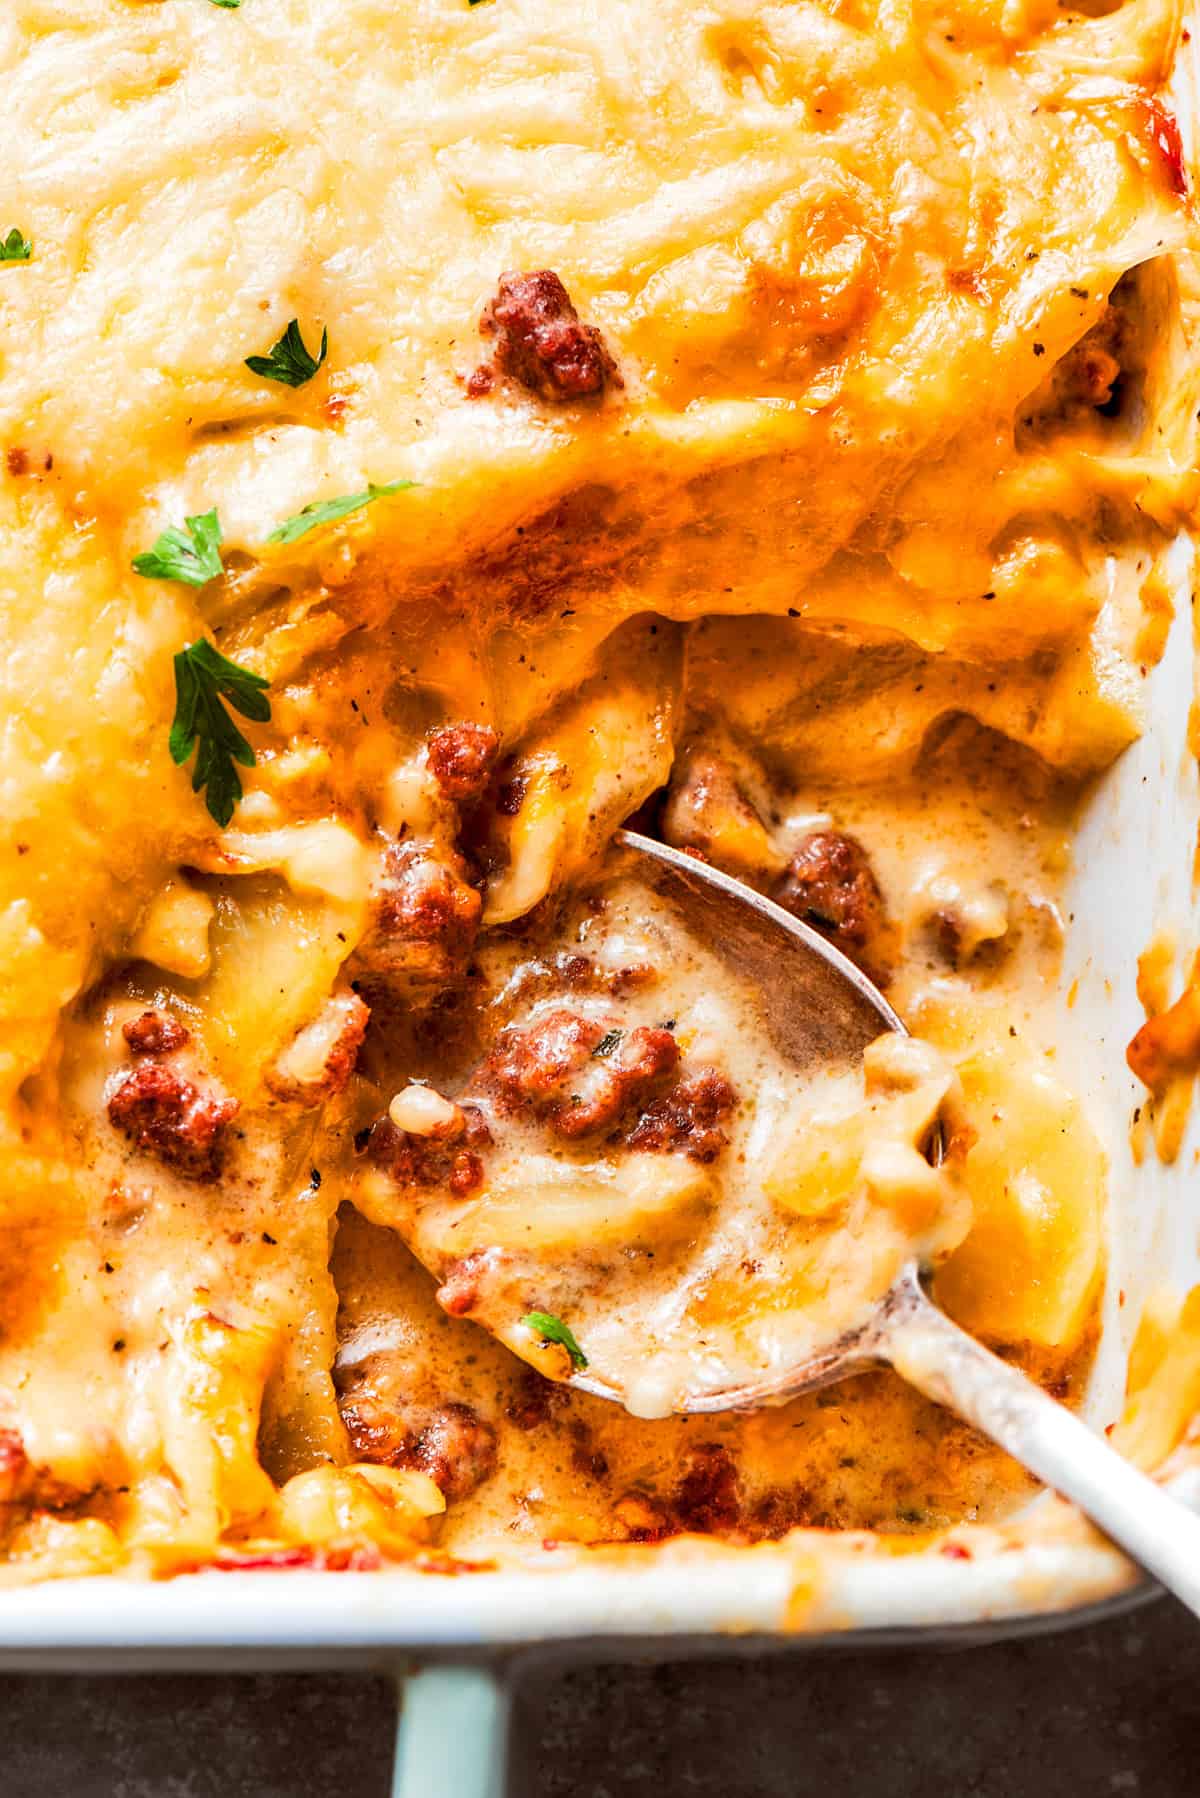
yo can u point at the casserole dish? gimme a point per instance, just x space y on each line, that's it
1038 1568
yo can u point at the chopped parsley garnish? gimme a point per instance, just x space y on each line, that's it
290 361
16 247
328 511
608 1043
203 678
229 5
553 1329
191 555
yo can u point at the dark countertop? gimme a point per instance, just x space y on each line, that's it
1111 1710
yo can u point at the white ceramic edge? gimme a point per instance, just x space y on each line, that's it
739 1592
682 1591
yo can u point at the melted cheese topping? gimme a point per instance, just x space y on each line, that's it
862 487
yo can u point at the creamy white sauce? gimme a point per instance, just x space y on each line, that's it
678 1277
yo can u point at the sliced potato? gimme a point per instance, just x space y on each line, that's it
1029 1268
547 1202
275 956
384 1505
588 766
816 1162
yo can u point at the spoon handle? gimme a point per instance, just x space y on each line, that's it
949 1366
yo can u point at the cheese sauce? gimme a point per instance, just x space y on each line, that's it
703 1213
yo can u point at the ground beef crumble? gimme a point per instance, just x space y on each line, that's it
541 342
168 1117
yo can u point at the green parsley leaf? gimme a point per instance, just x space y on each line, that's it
328 511
553 1329
229 5
290 361
191 555
608 1042
203 677
16 247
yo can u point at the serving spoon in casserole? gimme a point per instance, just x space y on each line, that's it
819 1006
716 1256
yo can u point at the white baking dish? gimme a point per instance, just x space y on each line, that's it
1133 875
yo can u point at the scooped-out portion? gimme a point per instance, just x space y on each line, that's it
604 1155
637 1179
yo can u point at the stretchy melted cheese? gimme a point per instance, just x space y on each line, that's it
808 500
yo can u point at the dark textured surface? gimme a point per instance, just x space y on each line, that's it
195 1736
1112 1710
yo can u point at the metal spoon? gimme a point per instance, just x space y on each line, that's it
819 1007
